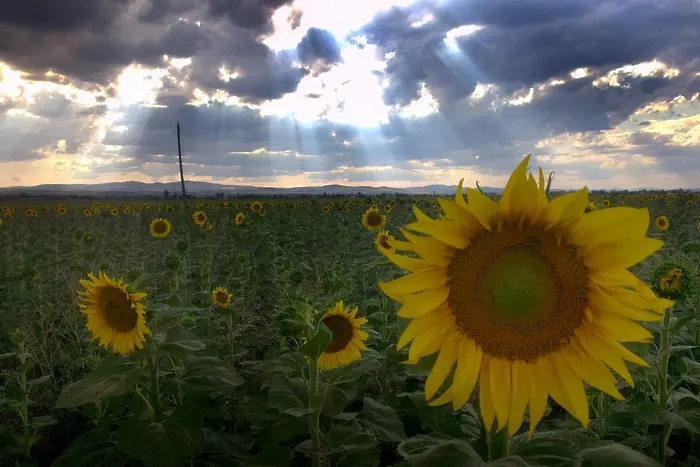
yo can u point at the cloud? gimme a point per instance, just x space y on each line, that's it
249 14
318 44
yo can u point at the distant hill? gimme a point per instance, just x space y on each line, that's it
203 189
207 189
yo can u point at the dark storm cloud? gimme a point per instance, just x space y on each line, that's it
528 42
318 44
249 14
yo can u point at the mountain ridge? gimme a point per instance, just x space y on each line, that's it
197 188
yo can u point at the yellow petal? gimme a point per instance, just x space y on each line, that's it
467 373
573 387
603 303
443 365
407 263
420 303
621 329
447 231
621 255
482 206
417 282
607 353
590 369
611 225
500 374
459 195
538 396
488 413
521 386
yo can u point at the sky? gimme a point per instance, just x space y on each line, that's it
359 92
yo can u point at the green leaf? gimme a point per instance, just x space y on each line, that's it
179 340
691 248
510 461
350 372
94 388
291 364
548 452
352 447
382 421
168 443
321 338
681 322
91 450
686 415
40 380
615 455
336 399
452 452
209 374
289 395
692 371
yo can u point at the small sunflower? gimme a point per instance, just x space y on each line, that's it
373 220
114 316
529 297
208 227
382 242
240 218
387 208
348 337
606 203
690 202
200 218
590 207
61 210
256 206
160 228
662 223
115 211
127 210
326 209
672 280
87 212
221 297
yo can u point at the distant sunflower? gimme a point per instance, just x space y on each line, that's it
387 208
348 337
208 227
527 296
114 316
382 242
606 203
221 297
160 228
200 218
672 280
373 220
690 202
256 206
590 207
170 209
115 211
87 212
326 209
61 210
240 218
127 210
662 223
669 203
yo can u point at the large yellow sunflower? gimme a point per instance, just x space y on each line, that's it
114 316
160 228
531 298
221 297
348 337
373 220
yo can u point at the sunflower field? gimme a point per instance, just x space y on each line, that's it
527 329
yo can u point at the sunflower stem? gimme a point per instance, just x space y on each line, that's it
662 368
154 389
314 416
600 412
498 442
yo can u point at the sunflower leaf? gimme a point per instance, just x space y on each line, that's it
318 342
382 420
616 454
94 388
179 340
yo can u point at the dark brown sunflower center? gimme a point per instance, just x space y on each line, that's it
160 227
117 309
342 332
200 217
384 242
374 219
519 293
672 281
221 297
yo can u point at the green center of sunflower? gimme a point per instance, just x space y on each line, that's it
342 331
519 293
117 309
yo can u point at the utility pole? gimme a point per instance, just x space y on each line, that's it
179 156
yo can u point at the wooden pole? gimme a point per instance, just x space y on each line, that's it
179 156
